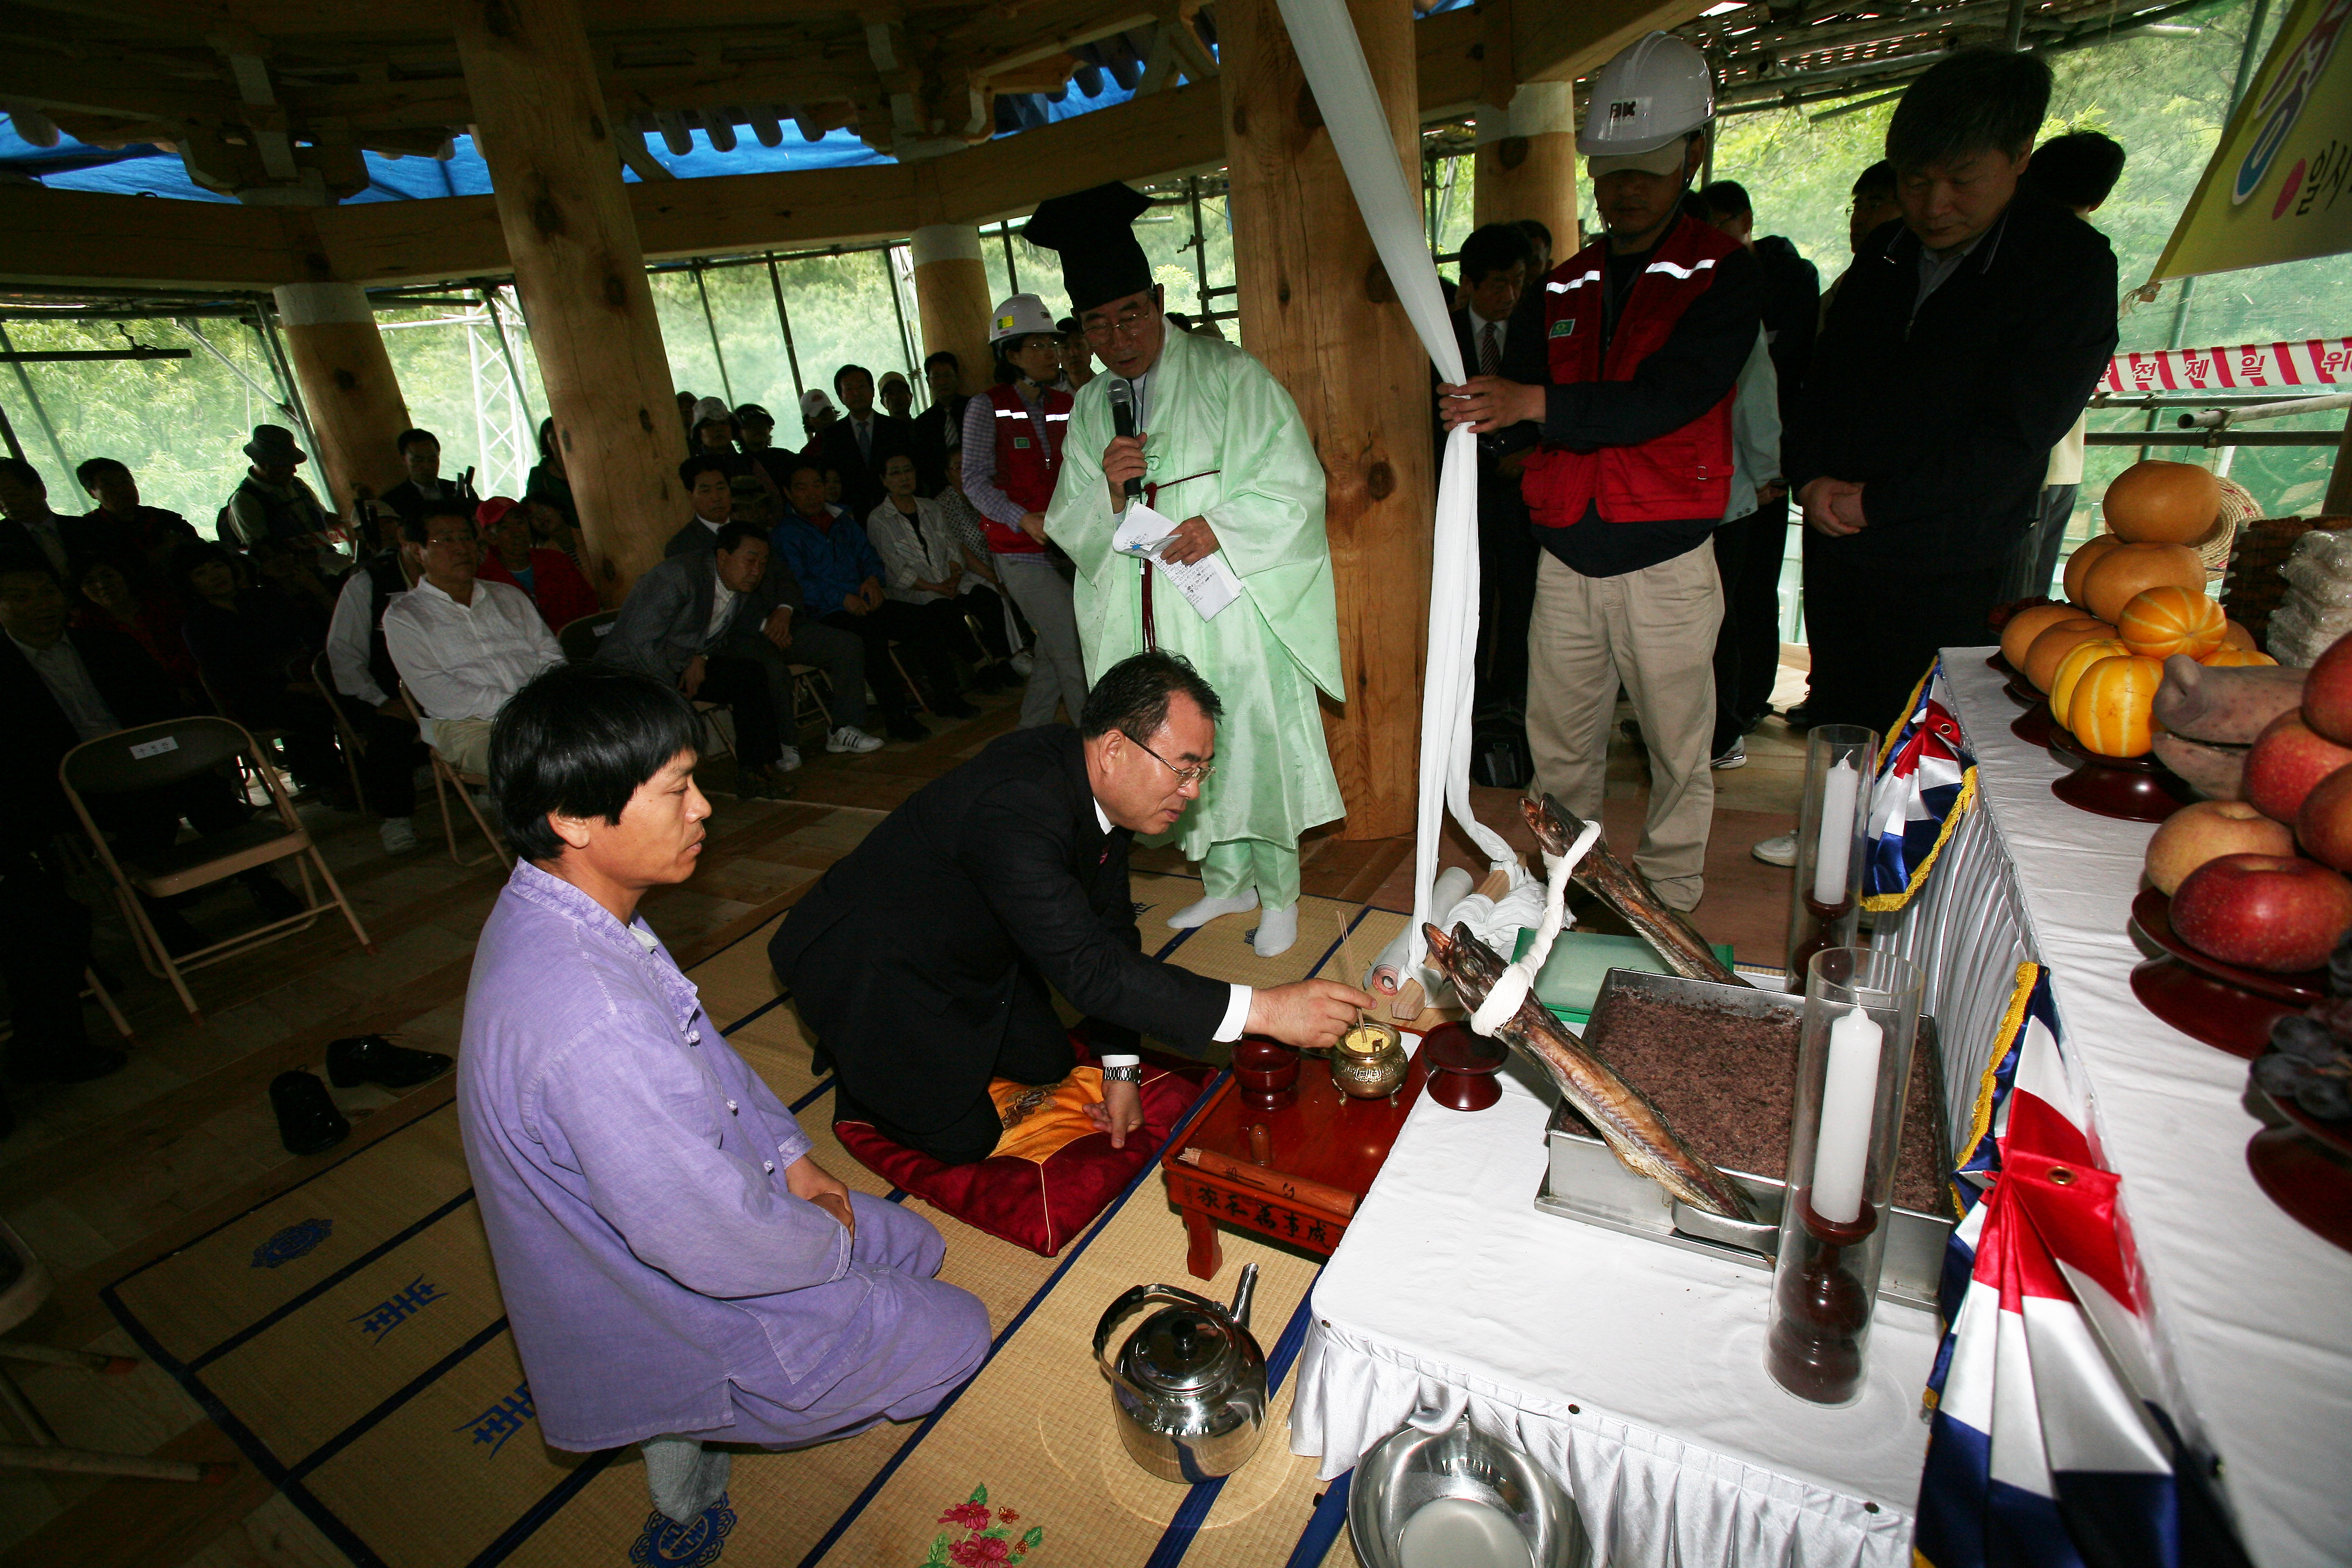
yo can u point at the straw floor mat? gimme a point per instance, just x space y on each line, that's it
350 1336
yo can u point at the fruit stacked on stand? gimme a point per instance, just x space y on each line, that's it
2308 1064
2306 1165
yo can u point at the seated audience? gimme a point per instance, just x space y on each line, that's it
153 621
249 642
677 1267
713 439
817 412
271 501
61 685
548 485
294 574
137 538
925 960
828 553
926 565
782 634
755 431
420 450
463 646
675 626
554 583
366 688
26 523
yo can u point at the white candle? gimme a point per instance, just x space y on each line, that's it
1835 851
1849 1095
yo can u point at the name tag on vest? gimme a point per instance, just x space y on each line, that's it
1021 443
1562 327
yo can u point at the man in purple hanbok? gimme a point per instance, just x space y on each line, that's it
677 1269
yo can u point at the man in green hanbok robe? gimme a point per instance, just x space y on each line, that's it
1224 455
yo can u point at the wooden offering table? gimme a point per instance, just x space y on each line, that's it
1295 1172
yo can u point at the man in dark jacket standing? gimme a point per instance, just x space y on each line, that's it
921 961
1959 349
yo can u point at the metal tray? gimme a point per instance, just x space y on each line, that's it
1585 1180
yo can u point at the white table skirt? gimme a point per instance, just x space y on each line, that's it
1634 1372
2253 1313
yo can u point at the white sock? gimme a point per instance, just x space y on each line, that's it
1276 930
1207 909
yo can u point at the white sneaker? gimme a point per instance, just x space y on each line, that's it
399 835
789 758
1207 909
1780 851
1022 664
1276 930
856 743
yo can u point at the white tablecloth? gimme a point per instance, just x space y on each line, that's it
1632 1371
2253 1312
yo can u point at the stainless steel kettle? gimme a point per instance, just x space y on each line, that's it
1188 1385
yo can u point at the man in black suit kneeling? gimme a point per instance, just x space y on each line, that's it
921 961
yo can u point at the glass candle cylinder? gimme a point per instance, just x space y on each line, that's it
1861 1013
1825 898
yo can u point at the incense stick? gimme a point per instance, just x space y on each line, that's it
1348 974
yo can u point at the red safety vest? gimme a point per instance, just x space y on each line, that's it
1026 471
1683 474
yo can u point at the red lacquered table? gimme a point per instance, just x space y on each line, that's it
1293 1173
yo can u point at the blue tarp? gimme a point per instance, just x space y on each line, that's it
142 171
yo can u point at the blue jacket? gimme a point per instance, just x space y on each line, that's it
831 565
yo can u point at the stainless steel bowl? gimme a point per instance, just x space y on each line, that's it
1410 1469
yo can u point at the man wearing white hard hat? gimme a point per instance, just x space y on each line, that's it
1621 370
1011 458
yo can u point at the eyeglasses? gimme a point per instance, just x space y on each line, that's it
1130 324
1190 775
450 539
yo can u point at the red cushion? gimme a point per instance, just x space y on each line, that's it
1039 1206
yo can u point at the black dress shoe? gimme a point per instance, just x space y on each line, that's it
955 707
356 1060
307 1121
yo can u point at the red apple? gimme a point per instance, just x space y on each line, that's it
2324 826
2277 913
2207 830
2288 758
2327 692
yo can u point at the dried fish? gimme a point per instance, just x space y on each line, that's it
1623 1114
1628 893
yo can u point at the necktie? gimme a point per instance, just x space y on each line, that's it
1490 351
865 440
53 545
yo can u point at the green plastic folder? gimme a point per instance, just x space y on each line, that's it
1570 978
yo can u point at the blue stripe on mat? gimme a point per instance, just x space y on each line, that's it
1193 1512
1323 1526
1102 1222
762 1011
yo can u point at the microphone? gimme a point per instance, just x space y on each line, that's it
1122 420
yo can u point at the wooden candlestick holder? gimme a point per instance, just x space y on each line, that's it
2130 789
1462 1067
2034 725
1827 933
1266 1073
1822 1306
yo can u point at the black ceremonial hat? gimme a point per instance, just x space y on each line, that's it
1101 258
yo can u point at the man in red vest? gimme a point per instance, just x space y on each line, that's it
1620 371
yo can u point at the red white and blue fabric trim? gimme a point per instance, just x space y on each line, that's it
1927 778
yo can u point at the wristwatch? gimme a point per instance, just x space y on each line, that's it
1130 1072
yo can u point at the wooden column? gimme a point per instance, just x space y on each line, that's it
356 408
1525 161
539 123
1317 309
951 296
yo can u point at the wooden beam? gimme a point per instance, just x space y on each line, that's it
1561 43
118 242
1166 132
105 87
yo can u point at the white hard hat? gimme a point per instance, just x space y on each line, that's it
1018 317
1651 93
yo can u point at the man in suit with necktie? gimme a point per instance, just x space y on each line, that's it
858 443
921 961
1497 262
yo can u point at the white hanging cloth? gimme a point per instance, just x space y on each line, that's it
1333 59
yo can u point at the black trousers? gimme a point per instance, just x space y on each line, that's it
309 734
1027 1055
390 754
1875 630
742 685
983 607
44 947
895 622
1753 600
1508 554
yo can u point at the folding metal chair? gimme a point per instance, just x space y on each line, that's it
25 1284
580 638
347 738
447 777
157 756
94 988
809 681
898 662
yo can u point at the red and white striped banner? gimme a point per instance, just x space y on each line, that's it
2314 362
